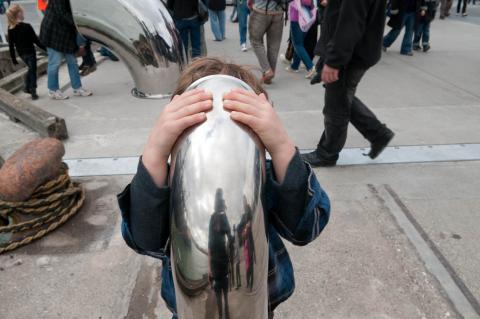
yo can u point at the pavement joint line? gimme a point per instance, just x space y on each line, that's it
127 165
456 290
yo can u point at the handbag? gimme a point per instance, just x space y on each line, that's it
202 12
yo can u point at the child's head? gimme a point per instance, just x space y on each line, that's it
14 15
211 66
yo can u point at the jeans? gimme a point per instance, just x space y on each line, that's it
298 39
31 79
422 33
54 61
271 25
189 30
409 23
217 23
459 5
242 12
342 107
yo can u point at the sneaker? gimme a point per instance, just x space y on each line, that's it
311 73
57 95
34 94
87 70
292 70
243 47
426 47
464 14
314 160
379 144
417 47
284 59
82 92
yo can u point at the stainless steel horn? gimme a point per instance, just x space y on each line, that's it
142 33
218 237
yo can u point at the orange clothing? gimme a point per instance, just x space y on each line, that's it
42 5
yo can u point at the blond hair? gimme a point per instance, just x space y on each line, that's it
209 66
12 15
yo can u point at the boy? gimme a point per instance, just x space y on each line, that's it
296 206
22 37
427 13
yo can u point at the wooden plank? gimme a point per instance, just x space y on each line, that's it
41 121
14 82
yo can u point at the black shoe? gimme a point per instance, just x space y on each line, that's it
34 95
426 47
315 161
407 53
417 47
380 143
26 90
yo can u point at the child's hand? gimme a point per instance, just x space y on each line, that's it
182 112
257 113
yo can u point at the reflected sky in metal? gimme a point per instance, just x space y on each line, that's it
219 245
142 33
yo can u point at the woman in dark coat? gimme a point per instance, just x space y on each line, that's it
59 34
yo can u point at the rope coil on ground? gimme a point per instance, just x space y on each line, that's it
51 205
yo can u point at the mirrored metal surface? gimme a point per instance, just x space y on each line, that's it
142 33
219 245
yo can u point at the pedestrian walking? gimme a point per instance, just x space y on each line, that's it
188 23
242 13
403 14
266 19
422 29
89 64
58 33
216 10
302 16
348 52
445 6
22 37
464 7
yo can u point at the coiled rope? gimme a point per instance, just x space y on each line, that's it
51 205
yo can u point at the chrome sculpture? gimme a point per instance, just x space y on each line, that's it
218 238
142 33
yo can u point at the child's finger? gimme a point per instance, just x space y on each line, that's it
241 107
239 96
202 106
191 99
247 119
191 120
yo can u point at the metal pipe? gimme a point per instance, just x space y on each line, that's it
219 251
142 33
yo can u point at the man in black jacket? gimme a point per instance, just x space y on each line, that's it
350 43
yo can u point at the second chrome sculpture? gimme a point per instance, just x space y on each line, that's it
144 36
218 237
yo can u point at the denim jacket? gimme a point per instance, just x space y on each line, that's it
297 210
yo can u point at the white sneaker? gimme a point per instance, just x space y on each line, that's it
289 69
311 73
243 47
82 92
57 95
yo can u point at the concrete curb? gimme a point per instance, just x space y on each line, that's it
43 122
14 82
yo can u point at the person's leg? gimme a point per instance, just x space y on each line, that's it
464 9
418 36
338 100
391 36
459 5
196 38
426 34
184 32
73 71
257 26
274 40
365 121
310 41
215 25
89 58
298 37
408 37
242 11
221 21
54 60
448 7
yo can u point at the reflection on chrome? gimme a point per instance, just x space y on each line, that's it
218 237
142 33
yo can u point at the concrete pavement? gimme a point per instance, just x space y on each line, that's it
365 264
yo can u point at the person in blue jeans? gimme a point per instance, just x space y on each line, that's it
422 30
297 37
216 10
242 13
58 33
185 16
403 14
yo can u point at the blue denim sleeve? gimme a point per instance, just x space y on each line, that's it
145 215
299 208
